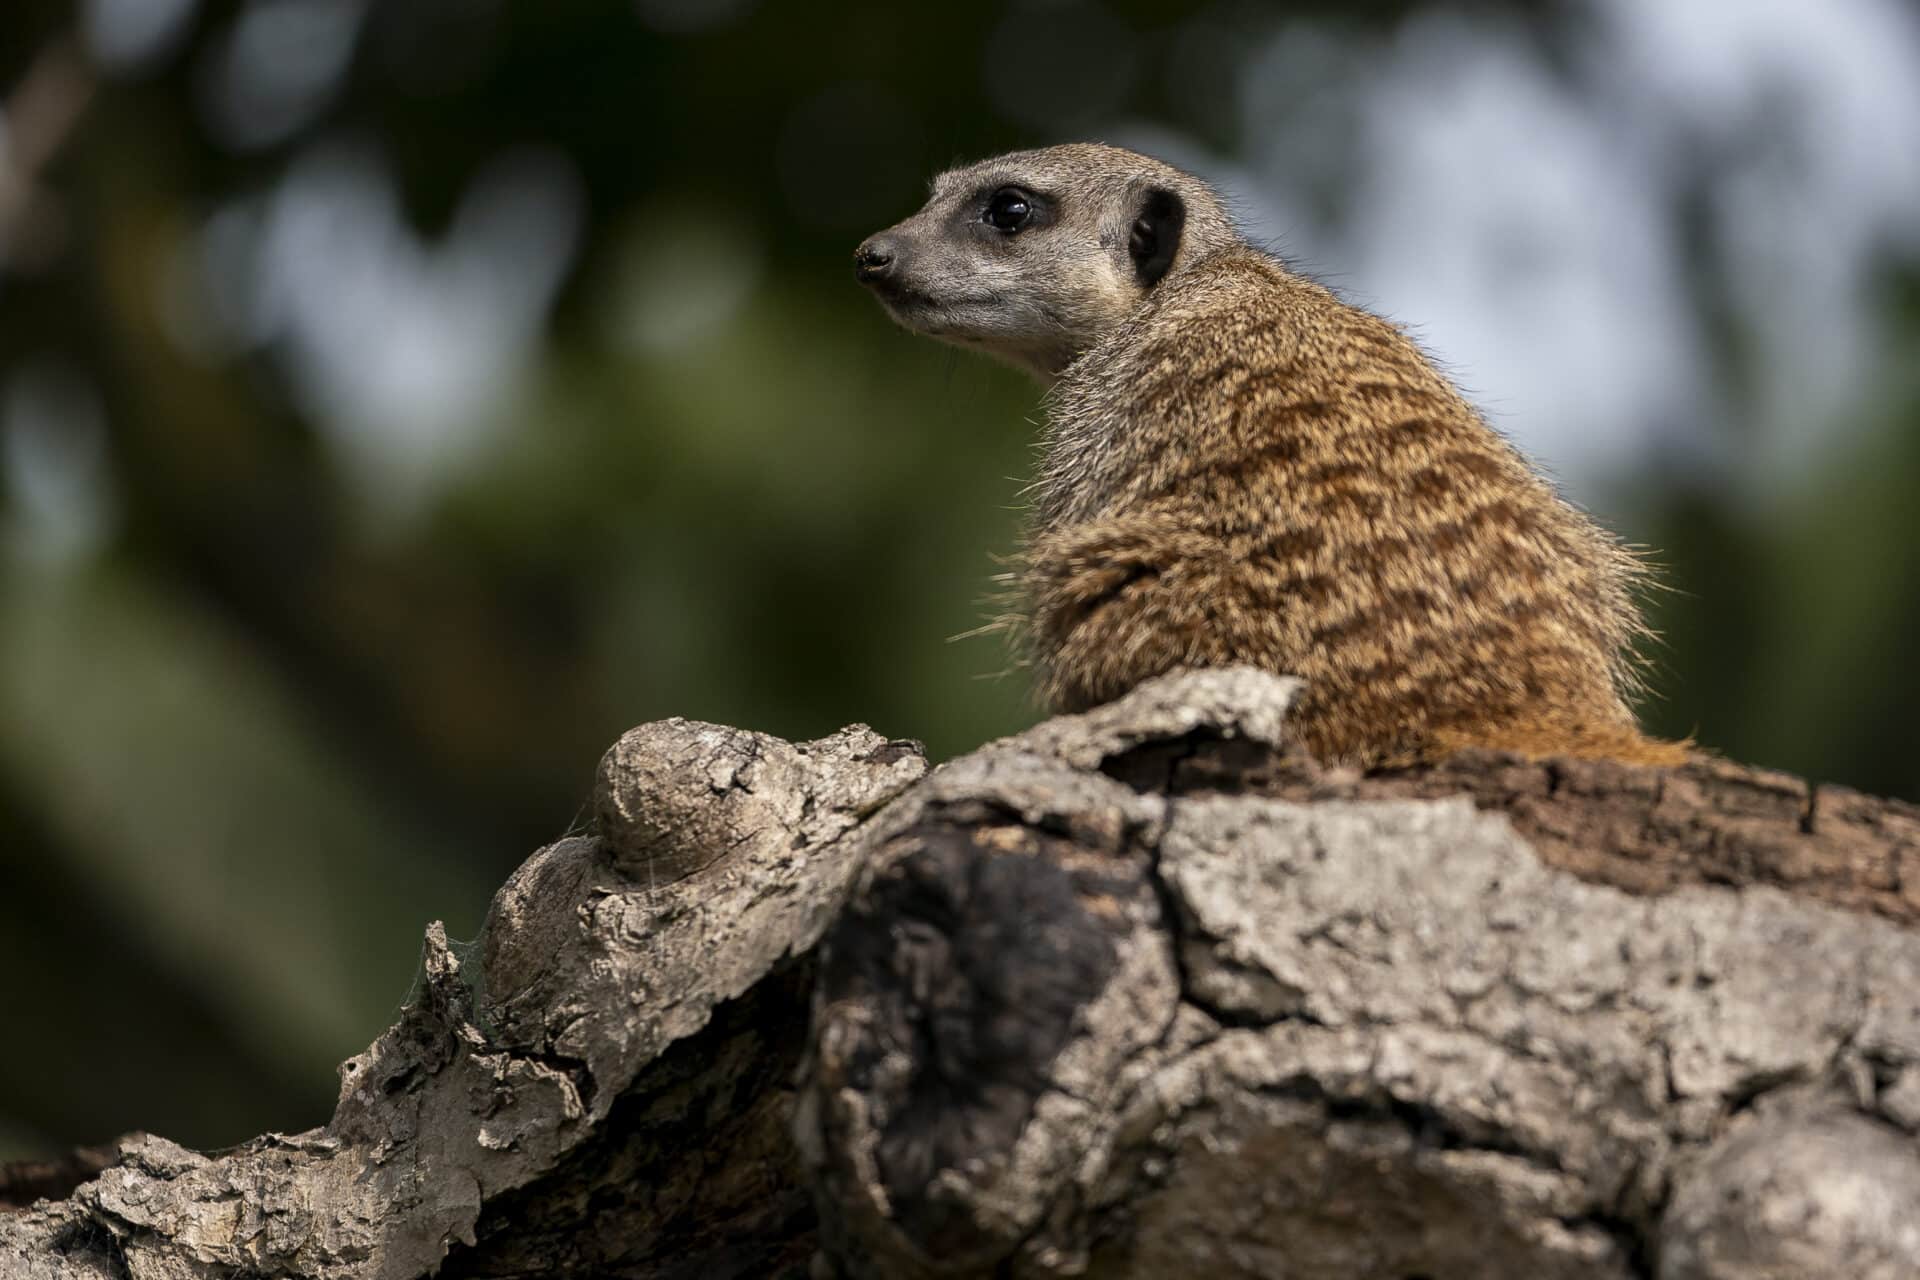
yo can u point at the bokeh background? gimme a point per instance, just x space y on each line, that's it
399 400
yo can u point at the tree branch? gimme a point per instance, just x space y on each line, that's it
1139 992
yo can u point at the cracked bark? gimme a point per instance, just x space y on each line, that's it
1139 992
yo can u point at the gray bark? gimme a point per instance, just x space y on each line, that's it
1140 992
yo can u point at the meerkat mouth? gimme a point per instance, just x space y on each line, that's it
935 317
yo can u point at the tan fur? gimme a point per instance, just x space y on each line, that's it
1241 468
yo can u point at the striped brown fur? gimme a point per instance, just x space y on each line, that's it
1239 467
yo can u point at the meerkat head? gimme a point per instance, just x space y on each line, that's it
1035 256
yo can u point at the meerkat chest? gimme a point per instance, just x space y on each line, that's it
1108 441
1085 464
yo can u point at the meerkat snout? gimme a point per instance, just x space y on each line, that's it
873 261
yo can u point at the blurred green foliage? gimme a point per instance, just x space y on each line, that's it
282 693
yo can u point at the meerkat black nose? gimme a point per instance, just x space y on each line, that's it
875 259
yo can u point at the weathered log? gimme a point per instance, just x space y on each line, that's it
599 1084
1139 992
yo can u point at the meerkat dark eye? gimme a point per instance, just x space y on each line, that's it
1009 210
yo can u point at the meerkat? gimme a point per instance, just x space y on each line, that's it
1238 467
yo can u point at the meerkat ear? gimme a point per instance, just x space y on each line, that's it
1155 235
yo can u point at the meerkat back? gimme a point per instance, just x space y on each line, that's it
1241 468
